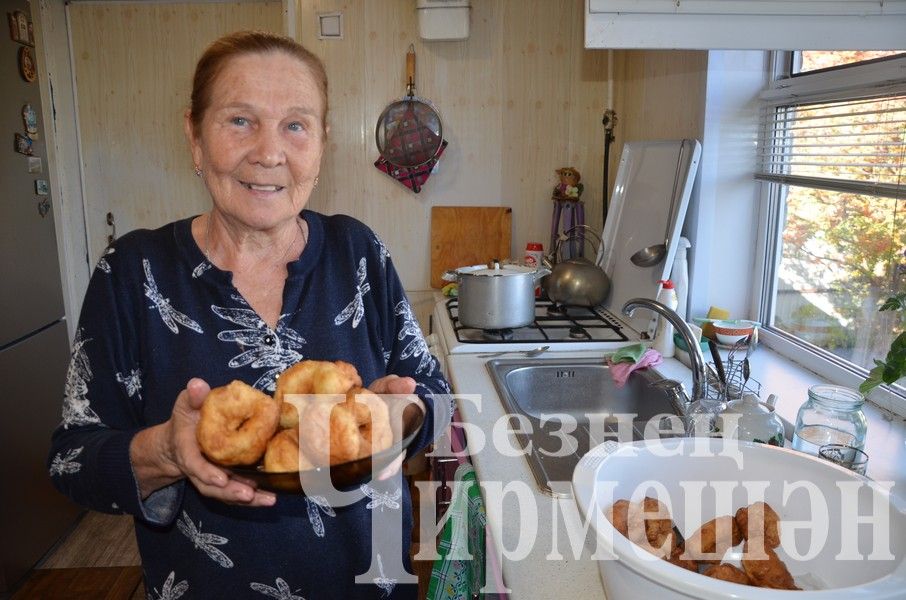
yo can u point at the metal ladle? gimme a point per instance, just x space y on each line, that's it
652 255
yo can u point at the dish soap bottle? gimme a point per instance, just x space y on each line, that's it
663 337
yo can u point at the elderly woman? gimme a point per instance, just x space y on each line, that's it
241 292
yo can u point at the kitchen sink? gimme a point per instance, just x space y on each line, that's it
568 406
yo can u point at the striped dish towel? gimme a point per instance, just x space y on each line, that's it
459 573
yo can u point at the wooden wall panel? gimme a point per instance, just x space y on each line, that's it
659 95
133 69
519 98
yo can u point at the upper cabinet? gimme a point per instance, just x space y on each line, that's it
747 24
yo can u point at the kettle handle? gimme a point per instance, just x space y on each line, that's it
571 233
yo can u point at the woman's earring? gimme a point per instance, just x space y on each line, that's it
316 183
197 171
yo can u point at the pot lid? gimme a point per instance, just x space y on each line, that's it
498 271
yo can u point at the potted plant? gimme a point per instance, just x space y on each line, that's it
893 367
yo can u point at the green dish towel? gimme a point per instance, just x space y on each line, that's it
454 576
631 354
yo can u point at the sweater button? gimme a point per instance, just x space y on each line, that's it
270 340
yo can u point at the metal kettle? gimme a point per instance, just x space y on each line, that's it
576 281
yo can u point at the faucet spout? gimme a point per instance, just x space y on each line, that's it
697 359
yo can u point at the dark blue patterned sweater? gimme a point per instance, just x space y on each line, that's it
156 314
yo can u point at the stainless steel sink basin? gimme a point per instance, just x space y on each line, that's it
570 406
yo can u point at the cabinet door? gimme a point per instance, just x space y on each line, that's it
33 515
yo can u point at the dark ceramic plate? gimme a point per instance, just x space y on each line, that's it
406 419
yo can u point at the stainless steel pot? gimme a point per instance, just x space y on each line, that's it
496 296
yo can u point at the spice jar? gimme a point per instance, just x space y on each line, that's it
831 415
534 253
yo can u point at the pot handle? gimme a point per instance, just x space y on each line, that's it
450 276
540 273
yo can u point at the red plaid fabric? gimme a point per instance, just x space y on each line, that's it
413 178
412 135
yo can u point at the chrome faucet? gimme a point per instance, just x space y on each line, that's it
697 359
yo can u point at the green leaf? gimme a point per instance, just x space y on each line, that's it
894 367
874 379
897 302
899 344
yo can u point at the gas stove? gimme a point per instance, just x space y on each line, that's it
561 328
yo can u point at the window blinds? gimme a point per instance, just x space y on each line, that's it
855 145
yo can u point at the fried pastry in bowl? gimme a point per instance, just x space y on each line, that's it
839 535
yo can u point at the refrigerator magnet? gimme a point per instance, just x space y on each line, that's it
27 67
23 144
41 187
30 118
35 165
43 207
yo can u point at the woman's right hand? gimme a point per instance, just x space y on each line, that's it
168 452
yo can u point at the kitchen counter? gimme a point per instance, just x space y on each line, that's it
535 529
548 551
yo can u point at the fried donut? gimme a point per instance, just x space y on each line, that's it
764 568
763 522
727 572
676 558
236 423
373 420
283 454
317 377
646 523
328 433
333 433
289 415
712 540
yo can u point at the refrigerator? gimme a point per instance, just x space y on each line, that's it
34 345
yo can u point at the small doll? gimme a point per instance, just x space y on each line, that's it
569 187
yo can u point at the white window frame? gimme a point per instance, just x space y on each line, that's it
746 24
829 85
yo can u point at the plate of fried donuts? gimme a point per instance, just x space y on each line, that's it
320 428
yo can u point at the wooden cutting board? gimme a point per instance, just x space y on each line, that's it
468 235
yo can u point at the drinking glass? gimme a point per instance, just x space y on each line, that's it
850 457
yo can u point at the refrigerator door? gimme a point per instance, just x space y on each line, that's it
33 515
31 294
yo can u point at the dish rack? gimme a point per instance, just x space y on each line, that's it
738 382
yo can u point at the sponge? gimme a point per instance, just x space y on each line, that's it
718 314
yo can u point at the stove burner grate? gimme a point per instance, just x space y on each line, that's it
553 323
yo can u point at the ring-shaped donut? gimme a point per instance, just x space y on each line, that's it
235 424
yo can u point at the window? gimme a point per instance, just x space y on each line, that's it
833 159
807 61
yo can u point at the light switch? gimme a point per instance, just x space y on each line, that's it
330 26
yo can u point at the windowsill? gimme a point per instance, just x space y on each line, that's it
885 441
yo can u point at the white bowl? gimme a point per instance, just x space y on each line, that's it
701 478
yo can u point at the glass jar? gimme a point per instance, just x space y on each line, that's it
831 415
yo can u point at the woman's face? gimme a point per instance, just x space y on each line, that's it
261 139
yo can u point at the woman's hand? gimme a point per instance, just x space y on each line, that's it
168 452
393 384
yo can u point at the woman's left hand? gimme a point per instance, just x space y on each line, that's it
393 384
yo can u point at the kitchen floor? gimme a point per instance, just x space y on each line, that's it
99 559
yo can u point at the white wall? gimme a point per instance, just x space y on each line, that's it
723 224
